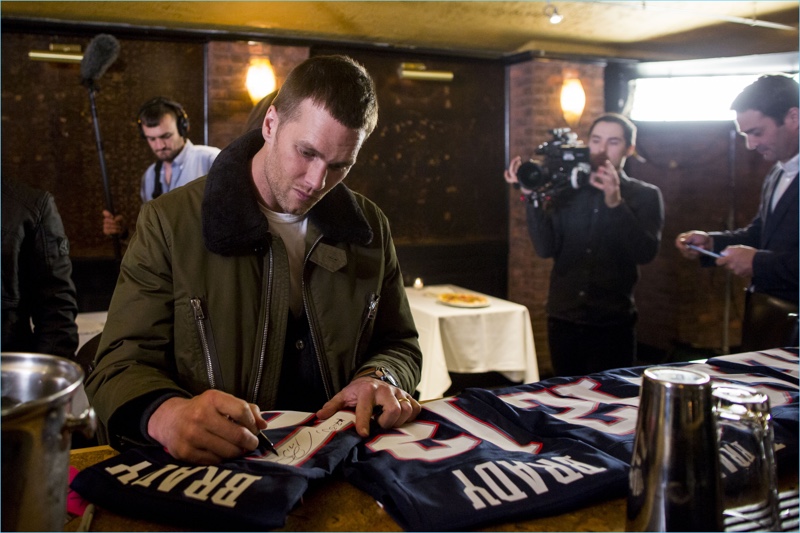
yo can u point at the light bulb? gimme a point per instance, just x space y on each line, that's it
573 101
552 12
260 79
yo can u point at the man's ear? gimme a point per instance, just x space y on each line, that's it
270 124
792 118
630 151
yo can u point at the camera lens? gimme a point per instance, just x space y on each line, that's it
580 175
531 175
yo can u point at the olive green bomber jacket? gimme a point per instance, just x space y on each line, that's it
195 309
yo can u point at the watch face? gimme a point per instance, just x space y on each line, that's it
385 375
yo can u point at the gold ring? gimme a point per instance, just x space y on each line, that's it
404 400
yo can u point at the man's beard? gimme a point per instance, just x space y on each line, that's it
167 156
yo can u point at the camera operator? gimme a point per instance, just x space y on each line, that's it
598 234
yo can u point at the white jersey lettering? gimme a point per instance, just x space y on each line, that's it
233 488
172 479
146 480
560 472
200 489
479 496
129 473
579 466
482 429
526 473
405 445
579 402
489 472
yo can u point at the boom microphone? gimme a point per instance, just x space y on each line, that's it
100 54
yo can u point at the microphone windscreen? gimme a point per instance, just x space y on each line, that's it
100 54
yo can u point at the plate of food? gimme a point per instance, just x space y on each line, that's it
462 299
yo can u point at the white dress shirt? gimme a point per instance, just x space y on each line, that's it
789 170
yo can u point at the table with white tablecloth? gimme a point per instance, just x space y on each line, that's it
89 325
495 338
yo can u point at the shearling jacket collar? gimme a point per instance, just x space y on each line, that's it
233 223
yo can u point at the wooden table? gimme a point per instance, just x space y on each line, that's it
336 505
495 338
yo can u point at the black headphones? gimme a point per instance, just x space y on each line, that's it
182 118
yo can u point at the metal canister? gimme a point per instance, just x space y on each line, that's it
674 482
37 426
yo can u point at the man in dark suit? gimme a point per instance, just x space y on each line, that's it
767 250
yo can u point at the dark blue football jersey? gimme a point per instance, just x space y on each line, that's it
545 448
255 492
478 458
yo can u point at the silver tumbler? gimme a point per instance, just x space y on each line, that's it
674 482
747 463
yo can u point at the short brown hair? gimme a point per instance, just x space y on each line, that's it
772 94
339 84
628 127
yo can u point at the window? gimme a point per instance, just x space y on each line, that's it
697 89
687 98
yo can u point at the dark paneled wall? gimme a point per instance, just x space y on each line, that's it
434 165
48 136
710 182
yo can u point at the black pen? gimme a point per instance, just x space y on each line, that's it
265 442
262 439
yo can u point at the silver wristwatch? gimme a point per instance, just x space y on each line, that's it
382 373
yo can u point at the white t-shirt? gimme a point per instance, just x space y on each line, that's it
292 231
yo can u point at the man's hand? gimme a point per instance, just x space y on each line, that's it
697 238
738 259
510 175
113 225
208 428
606 178
366 393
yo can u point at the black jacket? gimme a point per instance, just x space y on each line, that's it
597 251
775 236
37 284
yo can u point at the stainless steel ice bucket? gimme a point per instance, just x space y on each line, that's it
37 425
675 475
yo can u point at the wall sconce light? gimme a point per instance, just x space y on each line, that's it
58 53
260 79
573 101
418 71
551 12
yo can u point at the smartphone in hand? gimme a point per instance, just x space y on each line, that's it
703 251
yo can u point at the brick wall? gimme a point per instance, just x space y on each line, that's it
534 109
229 102
684 310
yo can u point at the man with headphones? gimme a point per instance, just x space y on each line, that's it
164 124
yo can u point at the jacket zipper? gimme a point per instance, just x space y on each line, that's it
372 312
263 351
317 349
199 318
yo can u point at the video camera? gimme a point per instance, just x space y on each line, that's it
566 165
